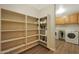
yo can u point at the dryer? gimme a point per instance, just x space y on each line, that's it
72 37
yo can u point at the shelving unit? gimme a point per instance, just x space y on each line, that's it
13 30
20 32
32 31
43 31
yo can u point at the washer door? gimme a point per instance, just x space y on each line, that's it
71 35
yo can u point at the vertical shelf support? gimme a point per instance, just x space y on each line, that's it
39 27
0 30
26 29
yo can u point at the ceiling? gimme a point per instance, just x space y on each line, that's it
69 8
39 6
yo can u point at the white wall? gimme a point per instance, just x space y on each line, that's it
21 8
68 27
50 11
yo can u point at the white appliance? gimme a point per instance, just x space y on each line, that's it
72 37
56 34
62 35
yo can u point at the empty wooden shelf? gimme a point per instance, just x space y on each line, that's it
4 41
11 50
13 31
12 21
21 32
32 30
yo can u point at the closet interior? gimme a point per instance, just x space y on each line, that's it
20 32
13 32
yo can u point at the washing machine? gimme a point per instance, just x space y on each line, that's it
72 37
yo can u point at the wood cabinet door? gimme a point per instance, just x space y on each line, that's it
66 20
59 20
73 19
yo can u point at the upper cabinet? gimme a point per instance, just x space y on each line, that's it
70 19
67 20
73 18
59 20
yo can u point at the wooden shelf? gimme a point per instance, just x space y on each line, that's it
13 31
43 29
12 39
32 29
11 49
8 20
18 33
32 45
43 23
43 42
32 42
21 50
12 35
32 32
10 30
42 35
32 35
32 23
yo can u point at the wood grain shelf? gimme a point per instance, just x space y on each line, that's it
42 35
32 45
21 51
10 30
11 49
4 41
32 35
32 29
32 23
13 31
43 41
43 44
43 23
8 20
43 29
19 32
32 42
